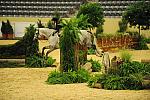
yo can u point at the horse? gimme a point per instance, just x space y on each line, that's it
53 38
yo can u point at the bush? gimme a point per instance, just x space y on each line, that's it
50 61
96 66
142 44
39 61
56 77
99 31
122 26
26 46
116 82
91 51
129 75
134 67
125 56
94 13
49 24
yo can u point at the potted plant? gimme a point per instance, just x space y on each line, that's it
3 30
10 33
7 30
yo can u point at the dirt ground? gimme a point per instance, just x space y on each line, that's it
29 84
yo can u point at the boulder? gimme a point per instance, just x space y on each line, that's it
88 67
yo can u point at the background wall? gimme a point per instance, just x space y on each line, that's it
19 23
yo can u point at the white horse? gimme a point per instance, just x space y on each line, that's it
53 39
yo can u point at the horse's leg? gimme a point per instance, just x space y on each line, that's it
43 50
51 48
46 47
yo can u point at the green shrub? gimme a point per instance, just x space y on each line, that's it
142 44
113 82
26 46
99 31
133 81
39 24
125 56
147 40
116 82
129 75
122 26
94 79
50 61
39 61
134 67
49 24
91 51
96 66
56 77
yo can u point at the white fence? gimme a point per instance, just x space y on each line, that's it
19 28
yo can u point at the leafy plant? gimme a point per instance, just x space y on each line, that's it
99 31
91 51
68 39
94 13
39 24
56 77
125 56
96 66
122 26
25 46
35 61
50 61
39 61
142 44
83 23
49 24
137 15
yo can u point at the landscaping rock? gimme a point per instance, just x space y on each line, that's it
97 85
87 67
146 84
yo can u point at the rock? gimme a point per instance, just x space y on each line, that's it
97 85
146 84
87 67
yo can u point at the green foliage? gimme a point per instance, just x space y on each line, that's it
99 31
91 51
94 79
50 61
133 67
96 66
68 39
39 24
138 14
37 61
125 56
49 24
56 77
94 12
122 26
83 23
26 46
129 75
147 40
56 19
116 82
142 44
